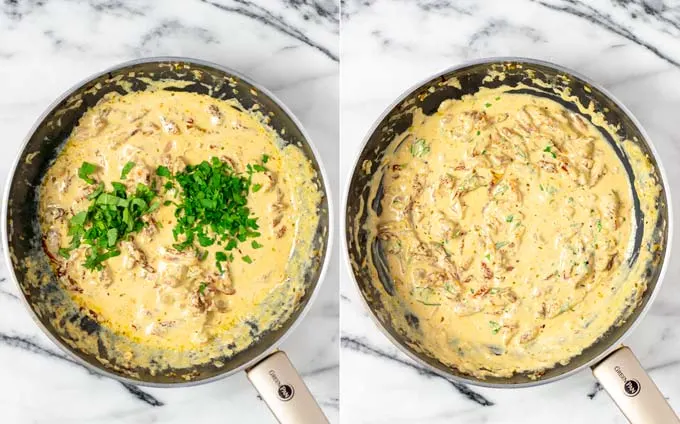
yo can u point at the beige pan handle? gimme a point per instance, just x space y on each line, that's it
634 392
283 390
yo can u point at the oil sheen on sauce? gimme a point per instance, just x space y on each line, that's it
506 224
150 293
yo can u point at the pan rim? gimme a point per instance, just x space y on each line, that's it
631 326
327 193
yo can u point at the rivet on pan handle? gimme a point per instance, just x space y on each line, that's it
284 392
633 390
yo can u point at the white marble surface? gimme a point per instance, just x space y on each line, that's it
632 48
46 47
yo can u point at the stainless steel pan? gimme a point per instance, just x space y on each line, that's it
269 370
615 366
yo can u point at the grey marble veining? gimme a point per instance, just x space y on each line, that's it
288 46
633 49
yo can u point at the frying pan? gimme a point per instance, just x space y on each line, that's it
269 370
614 365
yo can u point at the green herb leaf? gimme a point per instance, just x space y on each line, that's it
256 187
112 236
79 219
155 205
247 259
205 241
126 170
420 148
256 245
96 192
487 105
95 259
265 158
163 171
202 287
495 327
111 200
509 218
119 188
87 169
599 225
548 149
64 252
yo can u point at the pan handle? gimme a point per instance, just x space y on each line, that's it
284 392
633 390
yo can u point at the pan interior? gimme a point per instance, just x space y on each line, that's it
76 330
374 281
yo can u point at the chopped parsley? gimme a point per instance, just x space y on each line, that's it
163 171
509 218
495 327
449 288
548 149
202 287
126 170
420 148
212 208
487 105
598 223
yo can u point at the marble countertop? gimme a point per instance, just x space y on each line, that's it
633 49
290 47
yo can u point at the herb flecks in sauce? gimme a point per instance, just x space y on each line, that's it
525 246
420 148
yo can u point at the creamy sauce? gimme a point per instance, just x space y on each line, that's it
506 224
151 294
